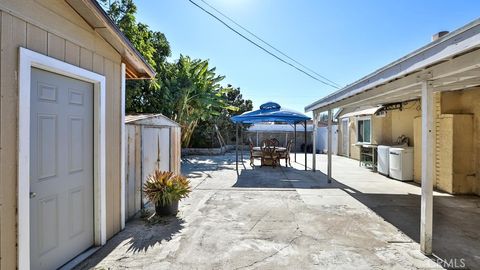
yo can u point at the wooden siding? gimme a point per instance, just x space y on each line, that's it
13 35
51 27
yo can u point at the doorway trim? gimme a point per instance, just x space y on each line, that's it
27 60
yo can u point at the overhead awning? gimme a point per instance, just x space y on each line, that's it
360 112
448 63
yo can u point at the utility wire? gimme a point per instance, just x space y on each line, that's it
262 48
268 44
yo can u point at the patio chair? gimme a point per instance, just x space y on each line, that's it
253 154
286 154
269 156
275 142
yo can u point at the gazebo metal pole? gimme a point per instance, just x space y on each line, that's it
236 146
295 142
241 143
329 156
305 137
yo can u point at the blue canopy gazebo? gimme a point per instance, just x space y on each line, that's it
271 112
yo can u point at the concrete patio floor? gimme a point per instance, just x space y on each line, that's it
286 218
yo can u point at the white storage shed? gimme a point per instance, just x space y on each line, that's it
153 141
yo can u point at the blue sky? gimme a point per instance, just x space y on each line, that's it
342 40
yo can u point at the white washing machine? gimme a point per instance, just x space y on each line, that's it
383 165
401 163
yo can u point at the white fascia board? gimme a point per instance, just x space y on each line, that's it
457 42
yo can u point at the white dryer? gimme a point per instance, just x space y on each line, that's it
401 163
383 159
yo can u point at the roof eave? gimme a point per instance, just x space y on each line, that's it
370 82
136 66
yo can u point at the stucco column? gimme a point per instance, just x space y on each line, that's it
428 135
329 155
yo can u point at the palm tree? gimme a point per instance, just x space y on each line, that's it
196 94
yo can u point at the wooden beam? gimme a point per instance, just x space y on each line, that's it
463 64
428 159
403 84
460 84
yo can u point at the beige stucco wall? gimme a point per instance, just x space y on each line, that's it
417 149
402 121
467 102
457 158
380 133
387 128
455 170
51 27
354 150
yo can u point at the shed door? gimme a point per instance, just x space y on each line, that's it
155 151
61 169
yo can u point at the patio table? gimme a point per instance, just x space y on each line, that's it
277 149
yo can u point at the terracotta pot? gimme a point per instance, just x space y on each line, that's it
166 210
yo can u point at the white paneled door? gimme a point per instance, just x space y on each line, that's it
61 169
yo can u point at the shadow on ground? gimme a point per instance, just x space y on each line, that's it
193 169
282 177
139 235
456 234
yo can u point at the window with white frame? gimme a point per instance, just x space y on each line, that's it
364 128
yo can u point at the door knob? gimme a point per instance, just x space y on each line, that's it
33 195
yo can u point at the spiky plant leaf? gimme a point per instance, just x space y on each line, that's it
164 188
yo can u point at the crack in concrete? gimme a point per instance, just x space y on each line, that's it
254 225
273 254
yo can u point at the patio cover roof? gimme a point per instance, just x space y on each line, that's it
449 63
359 112
270 112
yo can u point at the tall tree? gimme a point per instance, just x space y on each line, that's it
187 90
153 46
206 136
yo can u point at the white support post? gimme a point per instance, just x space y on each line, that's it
428 135
329 131
314 142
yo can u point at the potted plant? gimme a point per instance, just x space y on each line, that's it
164 190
